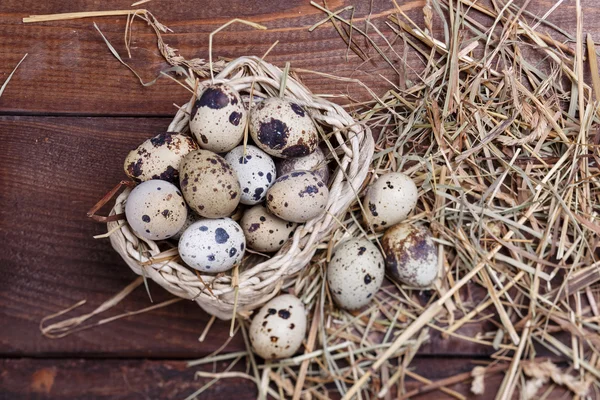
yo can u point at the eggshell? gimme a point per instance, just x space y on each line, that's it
355 273
155 210
389 200
264 231
283 128
298 196
209 184
410 255
191 218
255 171
159 157
315 162
212 245
218 118
278 328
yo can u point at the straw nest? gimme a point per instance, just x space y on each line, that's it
258 279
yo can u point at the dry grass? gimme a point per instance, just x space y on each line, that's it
504 148
500 132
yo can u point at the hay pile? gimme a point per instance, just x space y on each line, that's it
500 132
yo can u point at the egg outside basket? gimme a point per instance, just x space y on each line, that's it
257 283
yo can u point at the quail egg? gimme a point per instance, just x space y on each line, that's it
298 196
355 273
159 157
191 218
209 184
315 162
278 328
283 128
255 171
218 118
264 231
410 255
155 210
212 245
389 200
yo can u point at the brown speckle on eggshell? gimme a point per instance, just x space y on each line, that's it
155 210
410 255
389 200
278 328
209 184
159 157
264 231
283 128
298 196
315 162
218 118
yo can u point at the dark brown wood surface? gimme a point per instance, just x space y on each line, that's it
161 379
68 118
70 70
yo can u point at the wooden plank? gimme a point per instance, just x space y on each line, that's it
49 379
54 169
70 70
111 379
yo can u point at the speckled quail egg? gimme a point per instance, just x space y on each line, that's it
278 328
212 245
264 231
410 255
389 200
283 128
218 118
255 171
298 196
315 162
355 273
209 184
191 218
159 157
155 210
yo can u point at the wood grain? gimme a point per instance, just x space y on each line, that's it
111 379
50 379
71 71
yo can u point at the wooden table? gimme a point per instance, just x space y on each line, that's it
69 116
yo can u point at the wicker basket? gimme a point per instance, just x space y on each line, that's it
258 280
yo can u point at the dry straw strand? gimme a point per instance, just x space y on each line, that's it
5 84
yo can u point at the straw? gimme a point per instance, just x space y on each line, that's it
499 130
5 84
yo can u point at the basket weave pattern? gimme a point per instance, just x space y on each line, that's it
256 79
